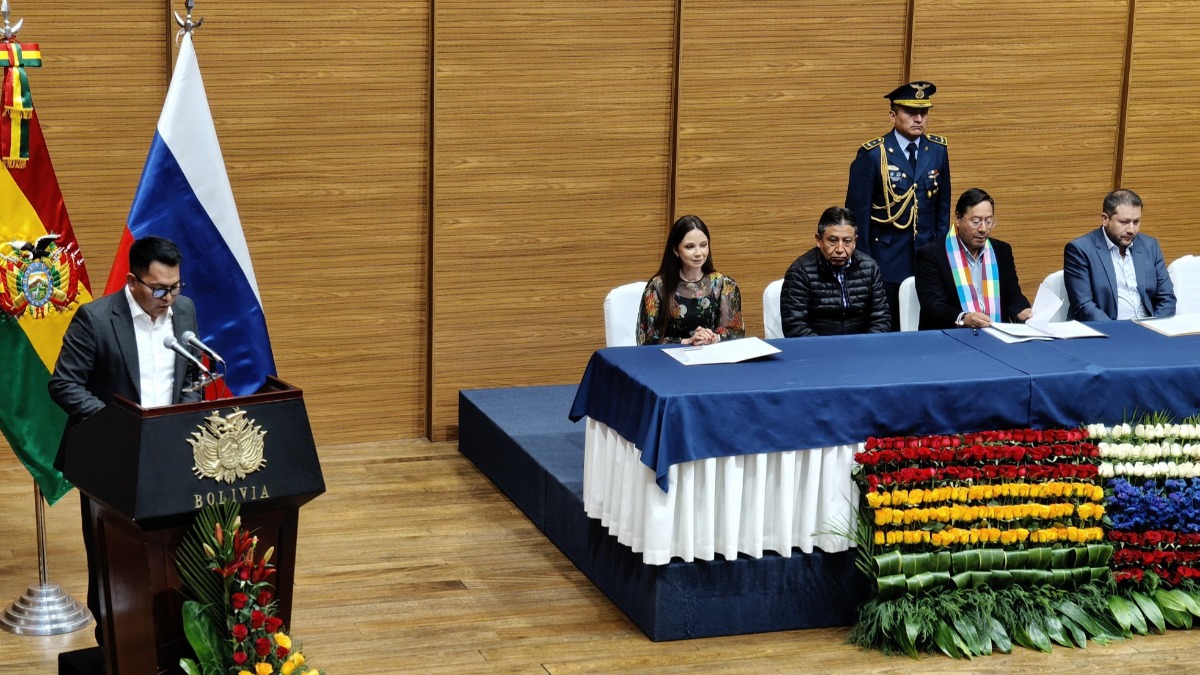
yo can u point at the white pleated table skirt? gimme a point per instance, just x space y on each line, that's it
746 504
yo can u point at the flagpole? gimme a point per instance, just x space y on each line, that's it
44 609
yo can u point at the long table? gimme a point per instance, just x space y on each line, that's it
690 461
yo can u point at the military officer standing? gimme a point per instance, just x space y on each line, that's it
899 189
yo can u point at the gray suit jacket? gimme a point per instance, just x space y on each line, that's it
1092 288
99 359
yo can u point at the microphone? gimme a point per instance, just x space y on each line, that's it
171 343
190 338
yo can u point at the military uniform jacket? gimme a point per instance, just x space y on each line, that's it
883 192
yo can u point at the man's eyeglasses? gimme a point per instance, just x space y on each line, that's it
977 223
160 293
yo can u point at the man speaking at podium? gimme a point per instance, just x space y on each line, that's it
114 345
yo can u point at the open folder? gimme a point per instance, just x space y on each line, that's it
732 351
1051 330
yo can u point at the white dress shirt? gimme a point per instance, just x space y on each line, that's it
1129 301
904 143
156 363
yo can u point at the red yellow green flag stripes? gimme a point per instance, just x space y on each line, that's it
42 282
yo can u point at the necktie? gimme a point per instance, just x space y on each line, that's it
912 156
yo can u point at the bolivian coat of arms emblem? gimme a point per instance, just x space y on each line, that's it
36 277
229 448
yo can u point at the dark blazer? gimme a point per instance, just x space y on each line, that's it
1091 286
99 359
893 248
939 296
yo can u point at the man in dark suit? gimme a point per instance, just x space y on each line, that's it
969 280
113 346
899 190
1113 272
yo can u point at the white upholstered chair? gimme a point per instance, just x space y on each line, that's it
621 308
910 306
772 322
1185 277
1056 287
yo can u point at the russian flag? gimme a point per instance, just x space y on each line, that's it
184 195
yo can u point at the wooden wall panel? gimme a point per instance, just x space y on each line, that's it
322 115
775 99
1029 96
551 147
1162 138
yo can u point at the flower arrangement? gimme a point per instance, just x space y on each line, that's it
1154 525
231 623
979 541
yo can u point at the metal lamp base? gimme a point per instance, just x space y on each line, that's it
44 610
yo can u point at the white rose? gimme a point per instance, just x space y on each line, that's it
1159 431
1176 450
1173 471
1139 470
1106 470
1125 429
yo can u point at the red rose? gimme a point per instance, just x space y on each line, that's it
239 657
871 443
244 574
274 623
1152 538
240 632
262 646
256 619
281 652
264 598
239 600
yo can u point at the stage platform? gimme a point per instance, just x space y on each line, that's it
521 439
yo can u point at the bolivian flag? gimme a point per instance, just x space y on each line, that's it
42 278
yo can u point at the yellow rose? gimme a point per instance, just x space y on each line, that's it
916 495
879 538
263 669
1035 490
296 658
883 516
245 672
283 640
874 500
287 668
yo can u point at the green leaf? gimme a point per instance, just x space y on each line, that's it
1037 636
892 586
1080 617
948 641
999 636
1189 603
887 564
1072 629
907 638
189 666
202 634
1177 619
1150 608
1128 615
971 638
1167 601
1054 629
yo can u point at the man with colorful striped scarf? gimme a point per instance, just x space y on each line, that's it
969 280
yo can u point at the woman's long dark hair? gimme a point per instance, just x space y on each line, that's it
669 268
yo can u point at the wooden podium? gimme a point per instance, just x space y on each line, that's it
136 466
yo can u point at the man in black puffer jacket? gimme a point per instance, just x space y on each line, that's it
833 289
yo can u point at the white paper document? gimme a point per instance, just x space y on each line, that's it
1054 330
1180 324
732 351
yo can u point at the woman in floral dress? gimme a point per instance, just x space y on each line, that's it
705 306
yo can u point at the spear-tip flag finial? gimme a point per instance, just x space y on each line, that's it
10 31
186 25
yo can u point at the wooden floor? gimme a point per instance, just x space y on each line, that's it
414 562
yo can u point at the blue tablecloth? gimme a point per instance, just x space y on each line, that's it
826 391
